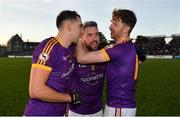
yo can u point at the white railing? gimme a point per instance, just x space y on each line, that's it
13 56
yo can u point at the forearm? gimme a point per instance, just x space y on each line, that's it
48 94
39 89
85 57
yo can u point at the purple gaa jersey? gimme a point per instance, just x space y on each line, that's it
50 55
88 80
122 73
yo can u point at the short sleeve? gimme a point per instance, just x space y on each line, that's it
111 53
43 56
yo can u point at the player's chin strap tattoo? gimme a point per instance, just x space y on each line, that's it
75 98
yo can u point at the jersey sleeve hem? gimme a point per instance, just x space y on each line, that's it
105 54
42 67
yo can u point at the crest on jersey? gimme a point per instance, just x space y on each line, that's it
43 56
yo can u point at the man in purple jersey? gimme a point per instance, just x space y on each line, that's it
88 79
52 66
122 68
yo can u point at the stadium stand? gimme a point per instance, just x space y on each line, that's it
148 45
174 45
156 45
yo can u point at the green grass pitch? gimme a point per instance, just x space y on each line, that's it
158 87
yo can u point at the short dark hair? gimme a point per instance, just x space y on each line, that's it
127 16
66 15
89 24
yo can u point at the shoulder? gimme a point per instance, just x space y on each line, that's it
43 53
109 46
45 47
129 45
45 42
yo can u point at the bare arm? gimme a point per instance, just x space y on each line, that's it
39 89
85 57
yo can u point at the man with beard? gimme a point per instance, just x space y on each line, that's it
88 79
123 65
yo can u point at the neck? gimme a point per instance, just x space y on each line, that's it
63 39
122 39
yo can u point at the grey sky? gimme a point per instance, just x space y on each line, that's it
35 19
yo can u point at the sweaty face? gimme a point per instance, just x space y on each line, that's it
91 38
117 28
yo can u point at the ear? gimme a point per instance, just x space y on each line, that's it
127 28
